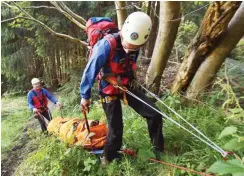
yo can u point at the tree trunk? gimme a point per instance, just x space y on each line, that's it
121 13
212 29
164 43
149 7
152 38
54 78
213 62
58 64
143 48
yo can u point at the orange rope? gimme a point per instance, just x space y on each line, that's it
179 167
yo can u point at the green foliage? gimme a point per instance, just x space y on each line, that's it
187 30
234 167
53 157
228 131
238 52
70 90
189 6
144 154
234 145
237 141
232 135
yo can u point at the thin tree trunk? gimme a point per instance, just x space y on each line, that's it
164 43
152 38
54 77
149 7
212 29
58 64
144 47
121 13
213 62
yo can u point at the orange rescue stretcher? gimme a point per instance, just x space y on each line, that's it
73 131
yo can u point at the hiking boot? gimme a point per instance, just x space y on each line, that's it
104 161
118 157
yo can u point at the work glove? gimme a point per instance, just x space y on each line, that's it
35 110
85 103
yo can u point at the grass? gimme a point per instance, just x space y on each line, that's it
14 118
55 158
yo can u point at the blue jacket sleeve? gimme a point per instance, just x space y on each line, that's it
98 58
49 96
29 100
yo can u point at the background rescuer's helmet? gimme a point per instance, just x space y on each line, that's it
35 80
137 28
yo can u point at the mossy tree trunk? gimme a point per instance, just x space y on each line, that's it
208 69
121 12
212 29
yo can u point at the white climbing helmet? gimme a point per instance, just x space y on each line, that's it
137 28
35 80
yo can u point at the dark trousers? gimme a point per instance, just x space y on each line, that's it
45 114
113 113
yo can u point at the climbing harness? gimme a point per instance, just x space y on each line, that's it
119 87
208 142
108 99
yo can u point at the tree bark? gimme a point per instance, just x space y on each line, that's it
121 12
213 27
164 43
143 48
213 62
58 64
149 7
152 38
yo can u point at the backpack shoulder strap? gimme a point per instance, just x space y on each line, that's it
113 42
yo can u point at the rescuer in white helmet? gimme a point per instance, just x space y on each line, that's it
37 101
116 55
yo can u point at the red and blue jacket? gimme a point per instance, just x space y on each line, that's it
121 64
38 98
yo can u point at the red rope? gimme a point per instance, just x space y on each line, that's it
133 153
179 167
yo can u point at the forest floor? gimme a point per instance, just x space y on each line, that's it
13 157
168 75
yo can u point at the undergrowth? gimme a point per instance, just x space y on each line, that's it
53 157
14 115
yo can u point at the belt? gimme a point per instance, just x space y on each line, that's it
108 99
